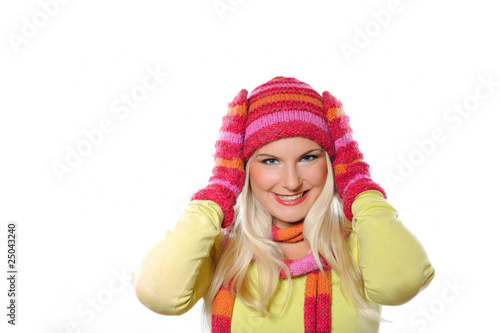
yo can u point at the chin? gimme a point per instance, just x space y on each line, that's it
290 219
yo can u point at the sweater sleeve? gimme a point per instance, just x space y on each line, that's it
177 271
393 263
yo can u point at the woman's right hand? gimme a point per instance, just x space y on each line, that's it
228 175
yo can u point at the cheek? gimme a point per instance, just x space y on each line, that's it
260 179
318 175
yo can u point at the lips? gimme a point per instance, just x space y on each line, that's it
291 200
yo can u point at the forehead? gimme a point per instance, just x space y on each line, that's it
288 147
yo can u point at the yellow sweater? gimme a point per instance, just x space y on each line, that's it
176 273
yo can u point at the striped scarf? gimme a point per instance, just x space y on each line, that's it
317 298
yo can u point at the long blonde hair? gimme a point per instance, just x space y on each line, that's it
249 240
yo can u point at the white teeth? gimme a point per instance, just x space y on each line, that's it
290 198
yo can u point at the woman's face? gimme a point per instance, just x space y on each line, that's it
287 176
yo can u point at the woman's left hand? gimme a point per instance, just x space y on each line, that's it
352 174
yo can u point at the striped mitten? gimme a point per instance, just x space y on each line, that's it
228 175
352 175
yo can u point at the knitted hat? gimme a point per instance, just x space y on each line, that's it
284 108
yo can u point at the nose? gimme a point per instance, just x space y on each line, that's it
291 179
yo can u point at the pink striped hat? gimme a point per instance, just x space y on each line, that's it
283 108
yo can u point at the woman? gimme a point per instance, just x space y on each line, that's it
312 245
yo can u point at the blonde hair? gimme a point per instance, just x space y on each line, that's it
249 240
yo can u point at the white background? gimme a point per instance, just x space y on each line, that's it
67 72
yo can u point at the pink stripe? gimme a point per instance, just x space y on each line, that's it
285 116
299 85
323 313
310 312
227 184
304 265
221 324
353 180
231 137
342 141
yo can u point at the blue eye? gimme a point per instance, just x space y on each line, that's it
309 158
270 161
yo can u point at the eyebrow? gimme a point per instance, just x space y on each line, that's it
302 155
311 151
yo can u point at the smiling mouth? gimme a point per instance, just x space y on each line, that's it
291 197
291 200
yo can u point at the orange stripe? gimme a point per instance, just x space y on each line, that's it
333 113
287 235
296 239
341 168
282 97
311 285
323 284
235 163
223 303
240 110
